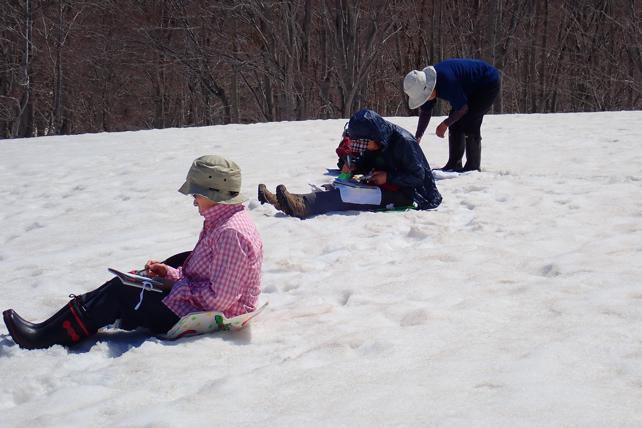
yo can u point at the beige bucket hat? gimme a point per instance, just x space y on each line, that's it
418 85
216 178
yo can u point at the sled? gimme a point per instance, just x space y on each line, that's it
209 321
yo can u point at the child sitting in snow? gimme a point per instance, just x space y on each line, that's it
222 273
387 155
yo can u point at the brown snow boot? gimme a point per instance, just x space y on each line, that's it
292 204
266 196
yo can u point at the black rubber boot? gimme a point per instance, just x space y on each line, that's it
456 148
67 327
473 153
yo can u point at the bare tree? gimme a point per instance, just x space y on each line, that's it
280 64
69 66
357 35
17 81
54 32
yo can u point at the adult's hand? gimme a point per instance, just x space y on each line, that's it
441 129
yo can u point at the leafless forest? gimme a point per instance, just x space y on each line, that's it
75 66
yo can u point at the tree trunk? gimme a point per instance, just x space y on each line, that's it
23 126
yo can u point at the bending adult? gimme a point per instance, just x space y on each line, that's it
471 87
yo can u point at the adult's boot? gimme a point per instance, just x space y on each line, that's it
315 203
67 327
293 204
456 148
265 195
473 153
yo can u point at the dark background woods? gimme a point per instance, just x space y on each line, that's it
74 66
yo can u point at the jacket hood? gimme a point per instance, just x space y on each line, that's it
367 124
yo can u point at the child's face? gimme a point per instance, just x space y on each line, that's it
202 203
373 145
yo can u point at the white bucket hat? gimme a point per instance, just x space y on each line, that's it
216 178
418 85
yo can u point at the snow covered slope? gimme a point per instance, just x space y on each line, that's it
517 303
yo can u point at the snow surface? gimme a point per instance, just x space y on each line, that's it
518 302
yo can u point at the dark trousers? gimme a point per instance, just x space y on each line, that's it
478 105
115 301
323 202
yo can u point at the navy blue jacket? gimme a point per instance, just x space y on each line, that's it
460 79
400 156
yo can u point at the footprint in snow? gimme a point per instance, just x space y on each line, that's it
468 205
345 297
33 226
417 233
550 270
415 317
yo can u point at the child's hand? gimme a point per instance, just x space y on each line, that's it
346 169
156 269
378 178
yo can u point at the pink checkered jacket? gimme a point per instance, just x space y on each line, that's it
223 272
